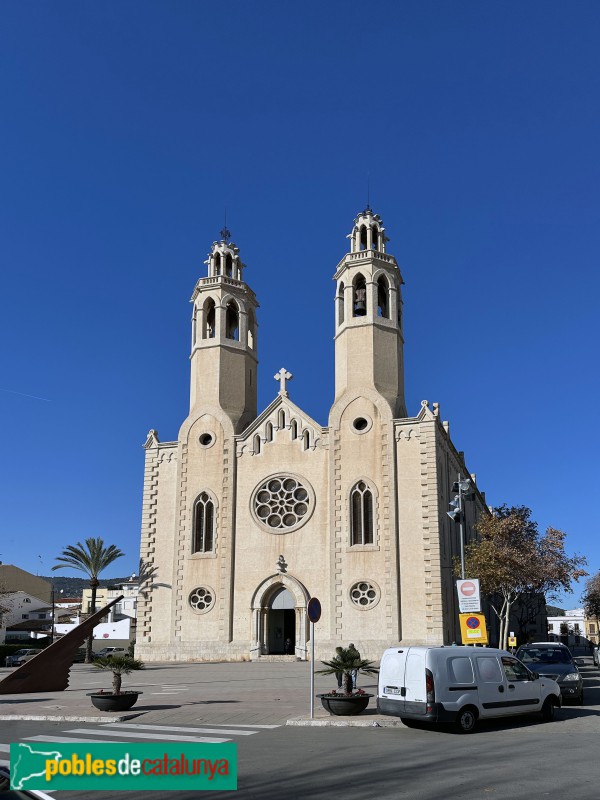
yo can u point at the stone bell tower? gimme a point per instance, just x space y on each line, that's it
369 345
224 357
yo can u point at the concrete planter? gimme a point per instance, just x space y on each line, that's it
106 701
345 705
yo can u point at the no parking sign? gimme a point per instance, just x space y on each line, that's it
473 629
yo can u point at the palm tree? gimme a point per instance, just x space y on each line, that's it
91 558
346 661
119 666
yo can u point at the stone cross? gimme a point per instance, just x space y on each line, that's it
283 376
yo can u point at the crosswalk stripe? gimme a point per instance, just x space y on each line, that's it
242 725
4 748
187 729
64 739
159 737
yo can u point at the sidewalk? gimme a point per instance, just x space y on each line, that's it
240 693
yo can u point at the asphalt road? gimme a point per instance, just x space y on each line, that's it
520 757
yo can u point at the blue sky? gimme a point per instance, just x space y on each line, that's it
128 128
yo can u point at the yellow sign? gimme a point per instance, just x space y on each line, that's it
512 641
473 629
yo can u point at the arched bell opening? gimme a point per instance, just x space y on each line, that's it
375 238
383 298
363 243
217 264
340 304
232 321
228 266
359 296
209 326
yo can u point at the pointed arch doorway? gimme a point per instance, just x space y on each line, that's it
282 623
279 613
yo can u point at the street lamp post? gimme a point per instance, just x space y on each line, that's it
456 513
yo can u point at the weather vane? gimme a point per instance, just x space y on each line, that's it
225 232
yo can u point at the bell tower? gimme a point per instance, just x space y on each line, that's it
224 357
369 345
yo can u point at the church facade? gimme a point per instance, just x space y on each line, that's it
248 515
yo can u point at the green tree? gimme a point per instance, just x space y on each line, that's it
591 597
91 558
511 560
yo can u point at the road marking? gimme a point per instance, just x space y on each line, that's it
4 748
187 729
64 739
154 694
156 736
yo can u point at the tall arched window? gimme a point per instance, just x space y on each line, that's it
383 306
268 432
204 524
359 296
232 321
281 419
217 264
208 331
361 515
228 266
257 444
306 440
294 429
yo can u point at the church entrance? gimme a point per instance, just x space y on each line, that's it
282 623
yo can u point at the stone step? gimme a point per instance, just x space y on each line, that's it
284 659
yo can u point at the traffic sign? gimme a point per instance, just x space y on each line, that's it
473 629
468 595
512 641
314 609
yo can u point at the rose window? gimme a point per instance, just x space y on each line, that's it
282 503
365 594
202 599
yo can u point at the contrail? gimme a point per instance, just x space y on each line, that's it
34 396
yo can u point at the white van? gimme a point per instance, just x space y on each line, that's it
460 685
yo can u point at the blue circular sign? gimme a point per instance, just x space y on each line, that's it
314 609
473 623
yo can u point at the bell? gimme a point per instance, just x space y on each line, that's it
360 306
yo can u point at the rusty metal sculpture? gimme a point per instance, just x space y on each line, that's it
49 670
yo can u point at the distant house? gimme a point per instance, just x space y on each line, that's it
570 629
25 605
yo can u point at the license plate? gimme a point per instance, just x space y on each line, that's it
391 690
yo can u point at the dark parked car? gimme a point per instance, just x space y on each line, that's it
554 661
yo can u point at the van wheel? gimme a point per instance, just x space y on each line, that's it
466 719
548 710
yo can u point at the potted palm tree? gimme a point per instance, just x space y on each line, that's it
116 700
346 701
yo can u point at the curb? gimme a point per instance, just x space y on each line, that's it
64 718
338 722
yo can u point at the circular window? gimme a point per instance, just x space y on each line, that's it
282 503
365 594
206 439
361 424
202 599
